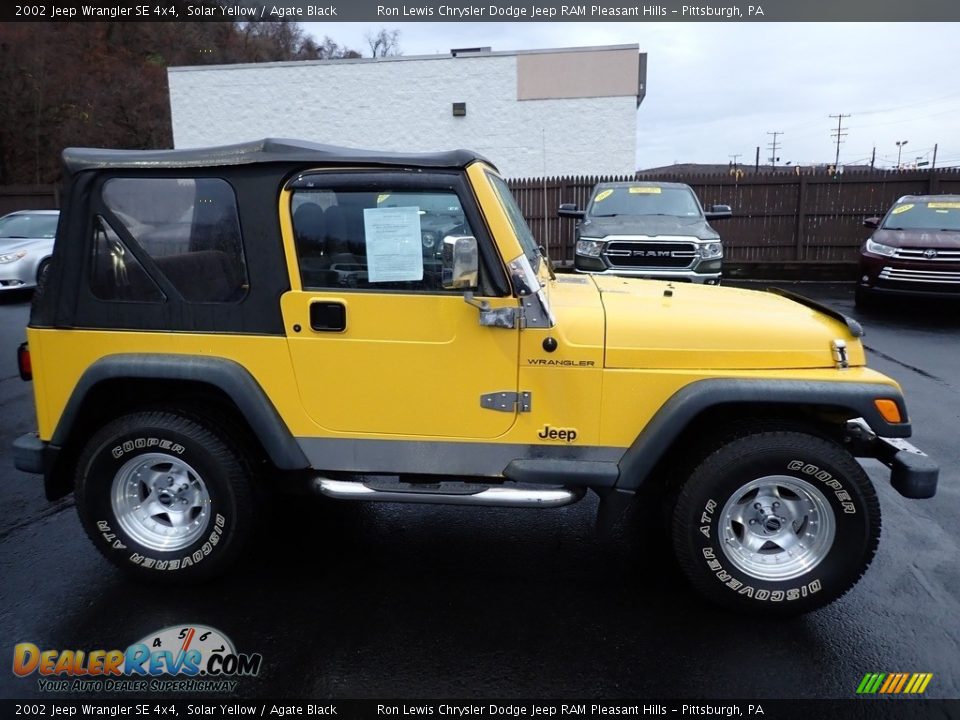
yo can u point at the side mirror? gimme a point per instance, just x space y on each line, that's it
718 212
873 222
569 210
460 262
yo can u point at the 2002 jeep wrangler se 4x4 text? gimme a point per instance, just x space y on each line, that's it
383 327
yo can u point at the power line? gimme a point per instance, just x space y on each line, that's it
773 147
838 135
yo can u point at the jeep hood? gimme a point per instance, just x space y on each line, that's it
648 225
654 324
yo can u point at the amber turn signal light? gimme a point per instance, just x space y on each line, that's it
889 410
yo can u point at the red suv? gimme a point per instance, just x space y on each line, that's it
914 250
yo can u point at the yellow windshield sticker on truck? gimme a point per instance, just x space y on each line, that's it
901 209
601 196
643 190
944 205
382 198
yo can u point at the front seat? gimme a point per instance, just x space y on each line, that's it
310 228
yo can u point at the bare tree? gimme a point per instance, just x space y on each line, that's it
329 50
384 43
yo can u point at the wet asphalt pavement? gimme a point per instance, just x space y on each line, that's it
352 601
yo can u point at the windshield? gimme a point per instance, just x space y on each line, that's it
517 221
26 225
933 215
644 200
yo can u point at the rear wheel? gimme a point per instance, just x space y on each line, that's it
164 497
776 523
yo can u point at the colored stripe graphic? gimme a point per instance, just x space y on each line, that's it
894 683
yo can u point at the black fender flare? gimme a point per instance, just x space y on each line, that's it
226 375
683 406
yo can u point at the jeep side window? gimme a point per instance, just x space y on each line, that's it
115 274
190 229
375 240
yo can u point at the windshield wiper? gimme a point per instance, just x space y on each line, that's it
14 237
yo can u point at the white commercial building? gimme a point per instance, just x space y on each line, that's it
566 111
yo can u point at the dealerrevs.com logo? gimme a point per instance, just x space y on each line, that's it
179 658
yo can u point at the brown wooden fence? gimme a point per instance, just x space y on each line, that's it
812 218
778 217
28 197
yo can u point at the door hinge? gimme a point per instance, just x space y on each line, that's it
507 401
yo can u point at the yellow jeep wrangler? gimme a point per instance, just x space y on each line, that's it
383 327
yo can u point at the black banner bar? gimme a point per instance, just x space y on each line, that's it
392 11
204 707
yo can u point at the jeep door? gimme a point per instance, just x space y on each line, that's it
378 345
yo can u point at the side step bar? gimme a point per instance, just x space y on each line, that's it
448 493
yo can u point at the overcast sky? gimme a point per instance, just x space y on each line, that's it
717 89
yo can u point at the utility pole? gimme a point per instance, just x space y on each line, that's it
900 144
838 135
873 157
934 163
733 158
773 147
756 163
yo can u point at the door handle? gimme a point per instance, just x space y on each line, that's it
327 316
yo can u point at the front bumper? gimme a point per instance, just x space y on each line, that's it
19 275
14 284
898 276
912 473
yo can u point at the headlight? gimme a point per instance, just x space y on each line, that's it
879 248
12 257
589 247
711 250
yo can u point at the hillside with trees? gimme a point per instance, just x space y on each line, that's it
105 84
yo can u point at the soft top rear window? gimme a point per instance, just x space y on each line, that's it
189 228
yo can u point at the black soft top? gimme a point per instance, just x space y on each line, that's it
269 150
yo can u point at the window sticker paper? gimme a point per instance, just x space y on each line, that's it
394 248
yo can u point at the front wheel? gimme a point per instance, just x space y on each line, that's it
776 523
164 497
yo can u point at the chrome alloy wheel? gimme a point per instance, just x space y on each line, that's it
777 528
160 502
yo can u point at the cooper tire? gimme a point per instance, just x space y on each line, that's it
164 497
776 523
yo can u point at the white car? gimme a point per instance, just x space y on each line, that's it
26 243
